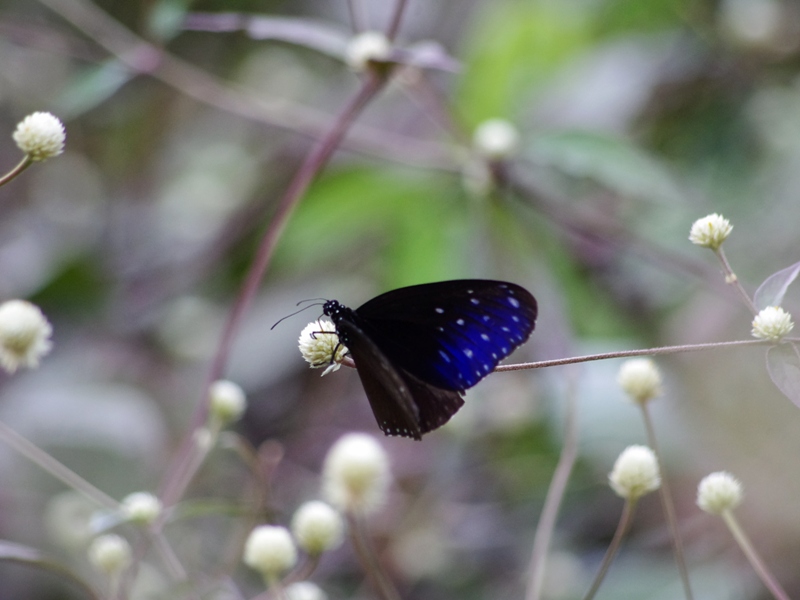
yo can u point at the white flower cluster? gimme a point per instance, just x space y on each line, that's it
24 335
640 379
40 136
356 473
318 342
366 47
110 553
227 401
710 231
719 492
496 139
772 324
141 507
635 473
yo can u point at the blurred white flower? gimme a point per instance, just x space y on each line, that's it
635 473
318 342
356 473
304 590
40 136
317 527
496 139
24 335
270 550
367 46
141 507
640 379
110 553
227 401
710 231
772 323
719 492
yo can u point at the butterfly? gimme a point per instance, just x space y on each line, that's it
417 349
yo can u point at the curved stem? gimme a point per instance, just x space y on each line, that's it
669 507
369 562
732 279
175 482
760 568
397 17
41 458
627 353
555 494
24 164
622 528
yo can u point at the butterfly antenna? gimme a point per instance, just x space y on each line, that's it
299 311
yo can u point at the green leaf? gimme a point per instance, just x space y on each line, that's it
772 291
783 365
612 162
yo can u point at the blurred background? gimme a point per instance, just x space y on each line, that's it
635 119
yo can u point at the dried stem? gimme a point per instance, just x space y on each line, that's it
669 507
555 494
622 528
24 164
369 562
732 279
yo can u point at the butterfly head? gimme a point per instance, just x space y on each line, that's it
333 309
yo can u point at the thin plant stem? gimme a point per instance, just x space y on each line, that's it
628 353
358 16
41 458
732 279
311 166
24 164
168 556
760 568
397 18
622 528
555 495
369 562
669 507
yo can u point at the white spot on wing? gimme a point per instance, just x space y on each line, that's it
468 352
513 302
485 337
475 301
460 321
443 354
440 311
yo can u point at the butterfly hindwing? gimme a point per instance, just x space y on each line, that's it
402 404
450 334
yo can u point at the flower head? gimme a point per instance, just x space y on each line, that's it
318 342
710 231
366 47
356 473
141 507
270 550
496 139
317 527
772 323
640 379
635 473
304 590
110 553
227 401
24 334
40 136
719 492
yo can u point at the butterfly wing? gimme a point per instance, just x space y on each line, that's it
449 334
402 404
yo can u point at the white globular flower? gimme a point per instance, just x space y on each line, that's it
270 550
719 492
40 136
366 47
141 507
317 527
640 379
320 346
710 231
110 553
496 139
772 323
304 590
227 401
635 473
24 334
356 473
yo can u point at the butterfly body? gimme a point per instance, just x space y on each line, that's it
417 349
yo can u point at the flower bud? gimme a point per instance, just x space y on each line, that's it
270 550
40 136
496 139
356 473
710 231
367 47
772 323
227 402
635 473
110 554
141 507
317 527
718 493
640 379
24 334
318 342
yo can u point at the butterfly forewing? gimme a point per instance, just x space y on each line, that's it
449 334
